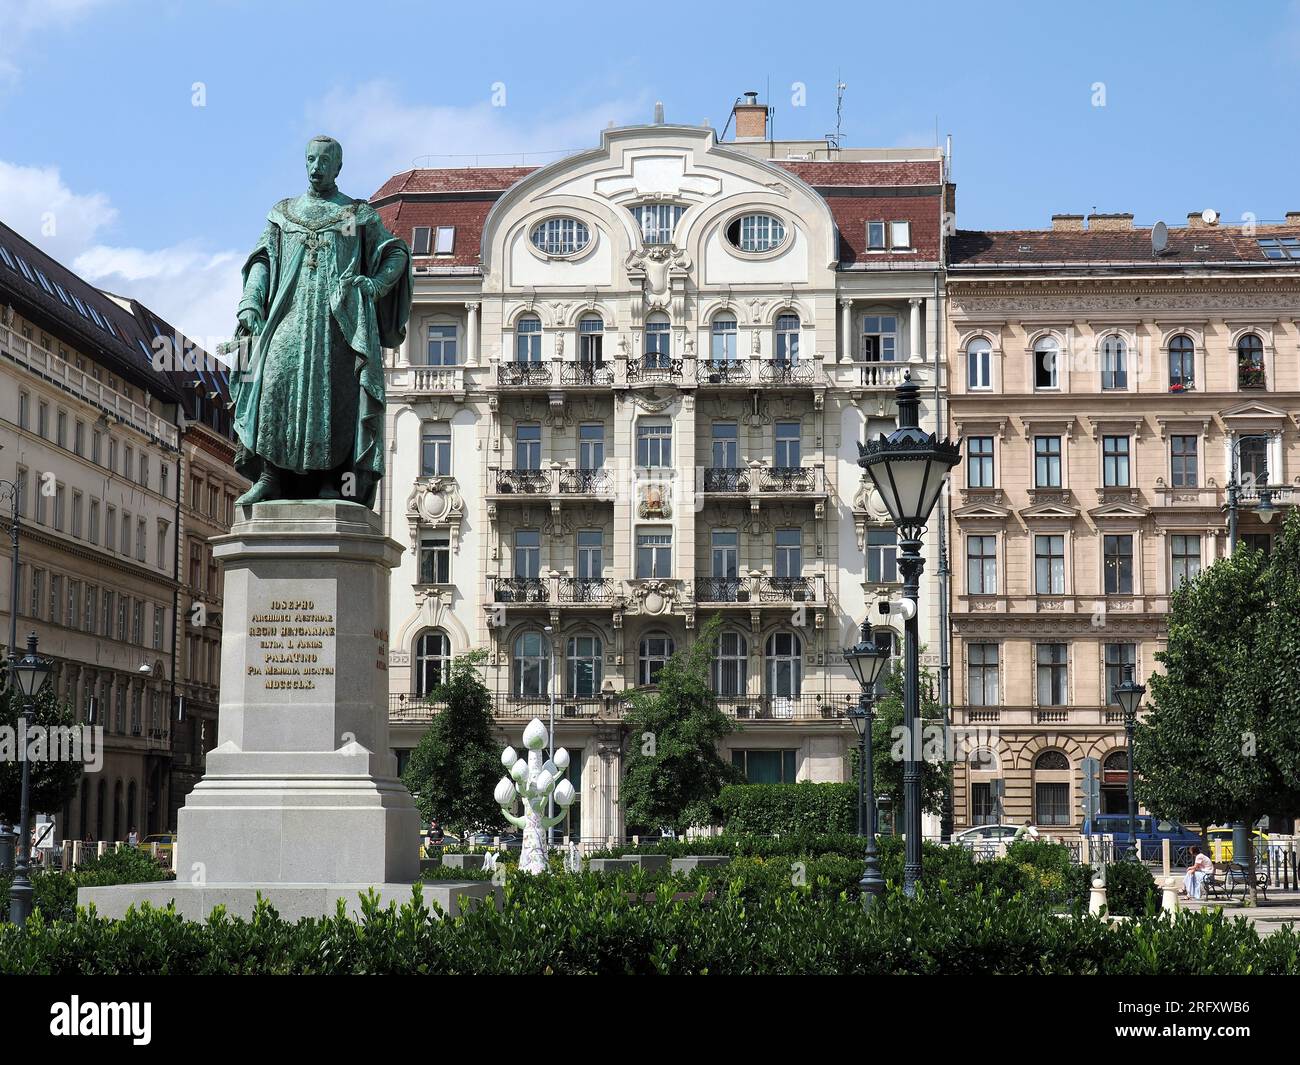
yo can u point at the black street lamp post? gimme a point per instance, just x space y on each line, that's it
29 673
1129 696
867 660
909 468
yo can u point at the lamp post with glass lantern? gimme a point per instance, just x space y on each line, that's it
909 468
29 673
867 660
1129 696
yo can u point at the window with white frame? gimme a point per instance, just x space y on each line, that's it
591 446
882 555
420 240
876 236
756 232
441 349
1184 557
979 462
528 339
981 565
435 450
1115 462
722 342
654 553
979 365
657 221
591 340
784 655
583 660
731 664
879 337
1114 363
528 446
725 557
1049 564
658 342
787 338
560 236
528 554
532 665
444 240
1053 674
432 661
654 444
591 554
1047 462
787 442
1047 357
435 557
900 236
788 545
652 655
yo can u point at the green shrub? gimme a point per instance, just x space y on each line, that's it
54 892
805 807
1130 889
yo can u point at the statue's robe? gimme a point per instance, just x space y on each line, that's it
312 395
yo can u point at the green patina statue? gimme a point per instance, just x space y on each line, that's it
325 290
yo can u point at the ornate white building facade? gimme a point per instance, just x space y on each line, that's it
631 398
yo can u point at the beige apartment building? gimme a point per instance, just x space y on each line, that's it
631 398
1106 381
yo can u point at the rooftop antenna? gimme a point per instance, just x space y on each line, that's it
834 140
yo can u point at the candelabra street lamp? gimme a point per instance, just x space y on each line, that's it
867 660
1129 696
539 784
29 674
909 468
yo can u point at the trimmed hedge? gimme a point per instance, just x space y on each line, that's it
54 892
552 925
803 807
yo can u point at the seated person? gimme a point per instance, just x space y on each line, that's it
1194 881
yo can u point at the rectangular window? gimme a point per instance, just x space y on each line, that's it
43 420
60 496
24 402
591 446
982 674
879 338
900 235
658 344
420 240
38 509
1118 557
162 544
528 339
137 623
882 556
722 343
766 767
144 470
1253 467
528 446
981 565
979 462
657 221
96 446
164 471
876 236
77 503
141 540
92 609
126 535
1046 367
1121 665
1053 689
654 554
128 461
196 566
983 804
61 429
56 598
1115 461
528 553
441 347
726 453
38 593
789 554
1047 462
725 561
445 243
788 438
591 549
79 438
1183 463
654 445
1049 564
110 609
1114 364
1052 803
159 616
110 528
435 558
22 481
1184 557
435 451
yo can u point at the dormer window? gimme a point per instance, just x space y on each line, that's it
420 237
445 241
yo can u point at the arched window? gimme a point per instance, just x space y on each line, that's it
731 664
979 365
722 347
1052 789
658 341
1250 362
655 650
1114 363
441 350
1182 363
432 661
528 339
1046 358
1116 762
532 665
784 655
583 661
787 338
591 340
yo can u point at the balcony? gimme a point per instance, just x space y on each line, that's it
760 590
417 381
725 480
523 591
588 374
521 482
586 590
881 374
758 373
555 591
772 481
511 374
1250 378
786 707
597 484
723 372
654 371
791 480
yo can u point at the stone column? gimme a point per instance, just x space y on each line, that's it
914 331
846 330
471 334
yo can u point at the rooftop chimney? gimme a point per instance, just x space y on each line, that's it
1067 223
751 118
1202 219
659 113
1110 223
1293 218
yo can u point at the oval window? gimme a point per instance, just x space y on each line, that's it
756 232
561 236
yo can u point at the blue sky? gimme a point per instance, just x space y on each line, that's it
106 161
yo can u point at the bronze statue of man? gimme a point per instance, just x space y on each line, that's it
325 290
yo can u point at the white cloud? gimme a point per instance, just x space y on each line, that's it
383 135
196 290
25 23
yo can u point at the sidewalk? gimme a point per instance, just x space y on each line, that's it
1282 908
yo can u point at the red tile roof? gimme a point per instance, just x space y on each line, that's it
924 172
462 179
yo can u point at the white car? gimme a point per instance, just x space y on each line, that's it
984 837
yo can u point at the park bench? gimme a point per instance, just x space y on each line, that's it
1229 879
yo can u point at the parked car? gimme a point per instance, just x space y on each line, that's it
1219 838
1151 831
509 840
166 844
985 834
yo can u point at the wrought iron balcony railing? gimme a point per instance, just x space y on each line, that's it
722 371
726 479
787 372
586 373
524 374
586 482
421 709
785 707
587 590
523 482
793 479
651 369
722 590
520 589
789 590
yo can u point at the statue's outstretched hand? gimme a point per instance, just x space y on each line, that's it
366 285
252 322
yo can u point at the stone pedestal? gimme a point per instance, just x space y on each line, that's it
301 790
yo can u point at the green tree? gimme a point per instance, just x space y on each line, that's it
888 746
53 782
1221 739
454 768
674 772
